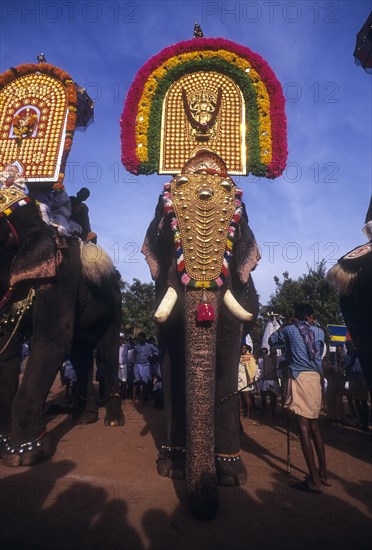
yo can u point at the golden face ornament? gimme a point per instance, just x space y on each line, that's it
204 205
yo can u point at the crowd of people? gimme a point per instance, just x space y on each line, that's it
344 392
262 379
260 376
139 375
345 388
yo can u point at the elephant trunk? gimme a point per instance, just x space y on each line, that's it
200 344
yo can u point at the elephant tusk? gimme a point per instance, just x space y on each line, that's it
166 306
235 308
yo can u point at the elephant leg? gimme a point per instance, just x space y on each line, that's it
114 412
107 361
229 466
85 410
366 363
29 442
171 459
10 361
100 326
53 318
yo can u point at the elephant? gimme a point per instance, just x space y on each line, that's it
200 325
352 277
65 296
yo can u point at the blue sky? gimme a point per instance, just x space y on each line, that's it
315 210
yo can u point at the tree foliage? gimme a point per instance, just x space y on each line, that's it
312 288
138 305
138 308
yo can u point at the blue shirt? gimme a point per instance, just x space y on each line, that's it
142 351
295 348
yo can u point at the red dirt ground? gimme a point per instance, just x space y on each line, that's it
101 491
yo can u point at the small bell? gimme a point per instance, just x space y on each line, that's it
205 312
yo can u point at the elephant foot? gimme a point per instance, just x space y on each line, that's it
85 410
4 441
26 454
171 462
230 470
114 412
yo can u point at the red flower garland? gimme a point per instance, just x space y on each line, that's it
277 113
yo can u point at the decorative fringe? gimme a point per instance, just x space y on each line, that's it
96 263
341 280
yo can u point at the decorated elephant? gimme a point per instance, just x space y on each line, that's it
203 109
352 277
65 296
205 295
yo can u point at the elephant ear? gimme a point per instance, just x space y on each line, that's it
158 245
150 246
351 267
246 251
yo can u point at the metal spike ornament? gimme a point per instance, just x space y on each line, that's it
198 33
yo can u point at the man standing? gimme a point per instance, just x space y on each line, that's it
304 345
142 369
246 377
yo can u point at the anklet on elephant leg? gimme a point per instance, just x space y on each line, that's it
28 446
4 438
221 457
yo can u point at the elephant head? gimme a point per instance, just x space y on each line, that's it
201 251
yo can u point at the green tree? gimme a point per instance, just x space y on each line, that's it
138 307
312 288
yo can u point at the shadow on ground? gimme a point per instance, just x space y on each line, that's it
56 504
